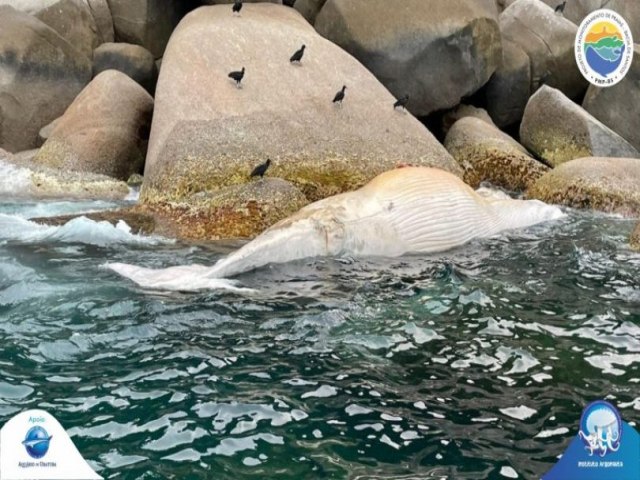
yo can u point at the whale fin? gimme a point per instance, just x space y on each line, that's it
186 278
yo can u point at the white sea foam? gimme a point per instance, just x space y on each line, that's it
78 230
14 180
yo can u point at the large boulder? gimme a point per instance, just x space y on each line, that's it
133 60
436 52
236 211
104 21
557 130
509 89
41 75
308 8
20 177
72 19
104 130
607 184
487 154
208 134
548 40
618 107
146 22
577 10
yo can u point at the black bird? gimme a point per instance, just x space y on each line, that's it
288 3
237 6
296 57
261 169
560 8
340 95
401 102
237 77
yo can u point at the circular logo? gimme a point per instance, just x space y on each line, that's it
604 48
37 442
601 428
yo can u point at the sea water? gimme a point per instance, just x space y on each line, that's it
471 364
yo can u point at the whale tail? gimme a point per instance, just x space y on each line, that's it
186 278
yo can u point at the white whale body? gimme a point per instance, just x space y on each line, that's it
407 210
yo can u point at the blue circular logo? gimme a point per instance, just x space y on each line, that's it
601 428
37 442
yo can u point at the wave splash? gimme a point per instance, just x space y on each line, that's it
78 230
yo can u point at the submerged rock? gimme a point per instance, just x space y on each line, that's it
208 134
133 60
618 107
557 130
436 52
607 184
548 40
104 131
41 75
487 154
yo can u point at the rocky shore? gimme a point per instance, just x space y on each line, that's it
96 91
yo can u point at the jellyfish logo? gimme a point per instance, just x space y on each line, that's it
601 428
604 48
36 441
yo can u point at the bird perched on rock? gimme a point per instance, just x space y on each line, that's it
401 102
340 96
237 77
560 8
237 6
261 169
288 3
297 57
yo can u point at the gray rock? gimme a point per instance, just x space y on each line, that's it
133 60
208 134
72 19
146 22
104 22
436 52
557 130
45 132
577 10
308 8
42 74
548 39
607 184
20 177
104 131
618 107
462 111
509 89
487 154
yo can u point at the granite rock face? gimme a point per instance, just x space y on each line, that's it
607 184
548 40
618 107
133 60
488 155
104 131
557 130
207 133
437 52
41 75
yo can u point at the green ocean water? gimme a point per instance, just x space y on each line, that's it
471 364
